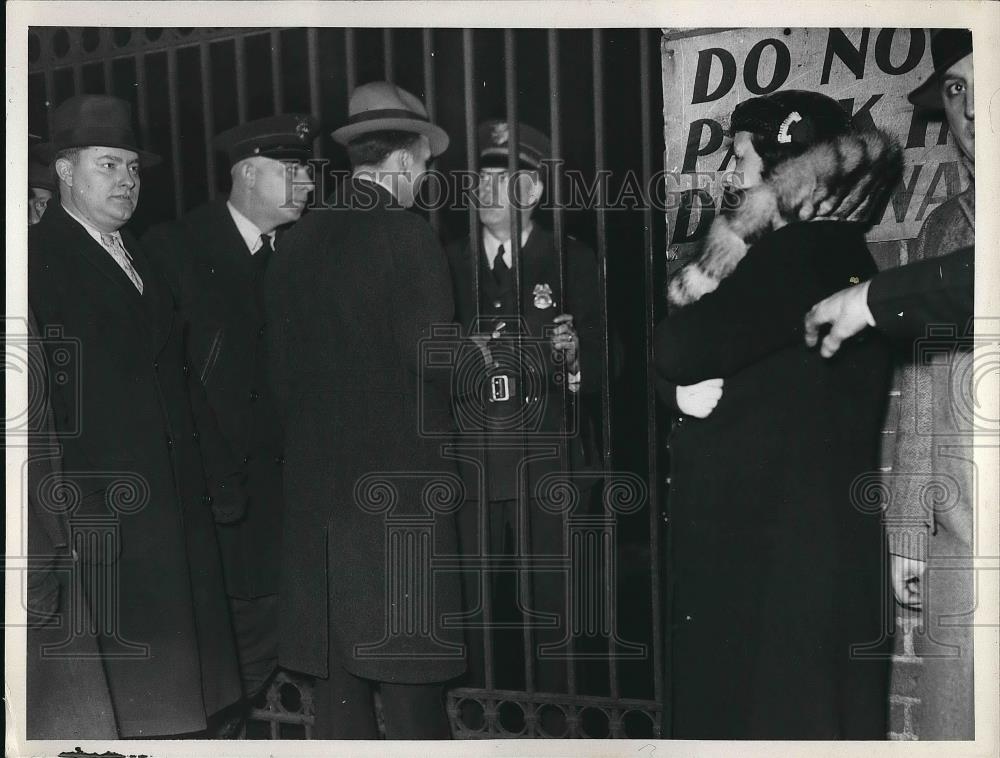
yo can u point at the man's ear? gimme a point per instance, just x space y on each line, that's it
249 172
64 170
405 159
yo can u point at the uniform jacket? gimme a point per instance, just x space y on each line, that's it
137 440
351 294
542 394
216 281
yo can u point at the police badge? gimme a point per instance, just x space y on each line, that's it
543 296
500 134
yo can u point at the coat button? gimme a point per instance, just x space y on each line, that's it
186 369
246 459
195 435
156 365
280 460
206 499
260 333
253 395
497 303
170 444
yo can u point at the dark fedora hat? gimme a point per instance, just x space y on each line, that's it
948 47
95 120
382 106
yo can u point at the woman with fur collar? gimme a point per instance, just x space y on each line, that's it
776 583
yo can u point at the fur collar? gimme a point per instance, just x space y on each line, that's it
848 179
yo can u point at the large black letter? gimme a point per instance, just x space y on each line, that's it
853 57
705 57
694 147
883 46
706 206
782 65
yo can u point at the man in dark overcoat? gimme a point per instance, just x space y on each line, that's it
352 291
514 395
146 468
215 258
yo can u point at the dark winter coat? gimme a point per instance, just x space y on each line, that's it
351 294
131 415
218 285
776 581
543 379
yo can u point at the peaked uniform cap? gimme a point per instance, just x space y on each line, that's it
382 106
494 144
287 136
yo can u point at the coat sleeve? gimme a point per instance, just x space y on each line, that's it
759 308
584 301
164 246
904 301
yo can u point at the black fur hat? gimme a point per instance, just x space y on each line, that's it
786 123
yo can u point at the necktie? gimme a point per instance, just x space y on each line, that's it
113 244
264 252
501 271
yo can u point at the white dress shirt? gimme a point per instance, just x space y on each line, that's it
248 230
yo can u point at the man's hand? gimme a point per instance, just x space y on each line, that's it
699 399
565 340
907 577
847 314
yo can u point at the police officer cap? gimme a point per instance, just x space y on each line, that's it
287 137
494 145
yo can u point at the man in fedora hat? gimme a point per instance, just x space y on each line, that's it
517 387
142 457
215 258
352 291
931 547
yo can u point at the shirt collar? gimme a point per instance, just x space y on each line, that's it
248 230
92 230
491 245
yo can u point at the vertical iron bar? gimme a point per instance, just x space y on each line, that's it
388 55
597 60
50 97
652 439
277 81
106 44
208 115
555 188
472 160
524 577
142 104
175 131
312 41
350 61
241 77
430 96
78 79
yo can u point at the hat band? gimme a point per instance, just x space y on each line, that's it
95 136
386 113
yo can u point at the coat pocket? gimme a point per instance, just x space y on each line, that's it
213 356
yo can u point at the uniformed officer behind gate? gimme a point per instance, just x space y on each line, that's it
528 354
217 256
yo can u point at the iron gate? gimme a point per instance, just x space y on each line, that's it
595 93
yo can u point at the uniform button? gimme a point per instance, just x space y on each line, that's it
253 395
170 443
246 459
195 436
156 365
186 369
260 332
280 460
497 303
206 499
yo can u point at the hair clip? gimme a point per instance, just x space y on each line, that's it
783 135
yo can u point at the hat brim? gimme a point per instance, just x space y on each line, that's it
928 94
437 136
46 153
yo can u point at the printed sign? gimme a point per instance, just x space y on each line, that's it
869 71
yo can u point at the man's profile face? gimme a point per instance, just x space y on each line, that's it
38 201
102 185
956 94
284 186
